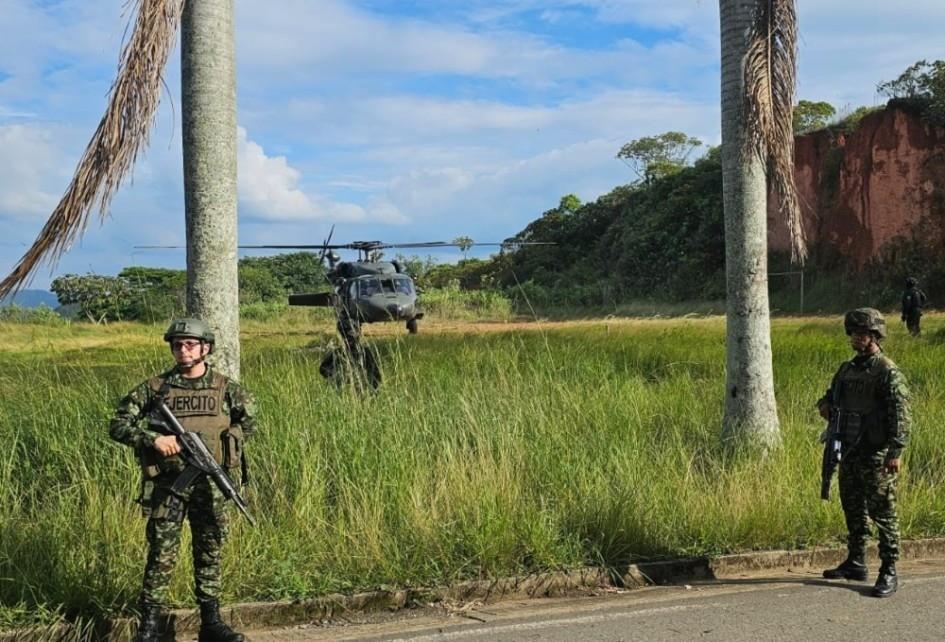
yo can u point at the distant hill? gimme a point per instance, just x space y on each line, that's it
33 299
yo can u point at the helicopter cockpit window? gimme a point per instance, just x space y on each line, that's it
388 285
403 286
370 287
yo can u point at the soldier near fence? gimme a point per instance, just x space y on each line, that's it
913 300
870 396
222 413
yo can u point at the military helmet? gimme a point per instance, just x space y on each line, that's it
189 328
868 319
912 282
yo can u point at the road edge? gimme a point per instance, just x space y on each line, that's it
535 585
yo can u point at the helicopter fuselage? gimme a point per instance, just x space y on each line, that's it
368 292
379 297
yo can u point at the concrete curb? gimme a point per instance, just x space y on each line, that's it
268 614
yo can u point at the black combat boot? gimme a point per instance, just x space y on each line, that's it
212 628
149 627
852 568
887 582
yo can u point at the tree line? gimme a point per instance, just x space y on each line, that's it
659 236
157 294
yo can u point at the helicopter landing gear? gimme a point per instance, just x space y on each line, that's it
412 326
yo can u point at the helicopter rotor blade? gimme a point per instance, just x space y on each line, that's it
381 246
318 246
321 257
357 245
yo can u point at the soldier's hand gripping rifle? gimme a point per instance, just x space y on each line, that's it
833 452
199 460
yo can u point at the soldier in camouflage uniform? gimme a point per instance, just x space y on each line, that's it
912 301
223 414
871 396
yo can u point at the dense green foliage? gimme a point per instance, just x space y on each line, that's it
655 157
157 294
513 451
662 241
40 315
920 87
96 297
809 115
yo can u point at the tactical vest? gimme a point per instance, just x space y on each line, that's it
201 411
859 395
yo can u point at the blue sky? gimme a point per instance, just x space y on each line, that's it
404 120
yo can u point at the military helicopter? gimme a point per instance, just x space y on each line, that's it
369 290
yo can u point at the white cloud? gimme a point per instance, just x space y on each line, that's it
433 130
309 43
269 187
847 47
28 162
499 202
469 118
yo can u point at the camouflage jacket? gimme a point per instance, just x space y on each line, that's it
891 397
130 426
913 300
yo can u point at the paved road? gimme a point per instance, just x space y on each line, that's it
793 606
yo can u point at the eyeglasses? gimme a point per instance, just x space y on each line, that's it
184 345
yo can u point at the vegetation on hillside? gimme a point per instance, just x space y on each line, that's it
658 238
921 87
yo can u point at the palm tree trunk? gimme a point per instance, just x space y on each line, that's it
208 88
750 410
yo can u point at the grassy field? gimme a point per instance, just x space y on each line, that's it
490 450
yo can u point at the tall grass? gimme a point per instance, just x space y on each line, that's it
451 303
481 455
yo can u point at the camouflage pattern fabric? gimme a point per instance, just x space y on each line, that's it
913 324
202 504
866 491
912 301
129 424
891 397
205 508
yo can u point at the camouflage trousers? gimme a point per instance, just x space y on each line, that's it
867 492
913 322
205 508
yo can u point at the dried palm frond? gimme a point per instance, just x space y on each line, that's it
120 136
770 79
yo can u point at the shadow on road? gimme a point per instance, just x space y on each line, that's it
863 588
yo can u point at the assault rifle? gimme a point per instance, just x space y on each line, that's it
833 451
199 461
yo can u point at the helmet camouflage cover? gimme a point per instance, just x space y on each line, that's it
868 319
189 328
912 281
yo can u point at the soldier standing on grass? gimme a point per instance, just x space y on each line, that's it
870 395
222 413
912 301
